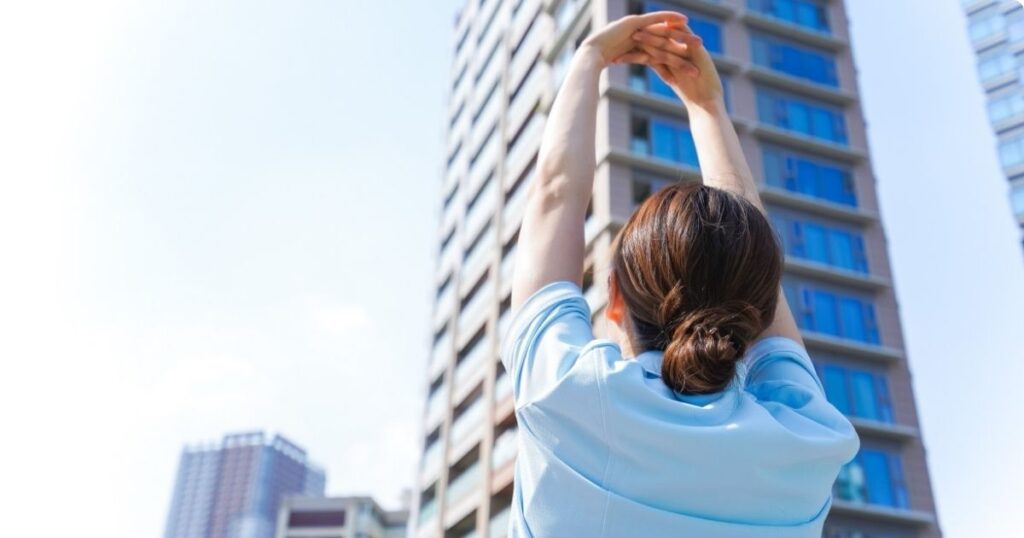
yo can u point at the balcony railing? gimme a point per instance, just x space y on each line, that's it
474 310
472 364
508 264
428 511
502 387
432 459
514 205
504 448
498 527
483 207
468 420
466 482
436 406
445 305
480 256
439 354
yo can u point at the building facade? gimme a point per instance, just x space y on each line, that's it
233 489
338 517
791 89
996 31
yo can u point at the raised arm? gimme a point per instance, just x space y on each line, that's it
551 239
722 162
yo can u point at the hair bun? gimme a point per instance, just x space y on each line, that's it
705 345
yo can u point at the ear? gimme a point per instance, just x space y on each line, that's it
616 309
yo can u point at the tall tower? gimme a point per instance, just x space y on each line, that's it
233 489
791 89
996 30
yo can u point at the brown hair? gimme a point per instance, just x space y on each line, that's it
699 270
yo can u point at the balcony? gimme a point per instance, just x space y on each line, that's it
475 310
498 527
512 214
467 422
524 148
508 265
504 448
483 207
445 306
467 481
526 100
440 355
470 366
428 512
430 466
437 405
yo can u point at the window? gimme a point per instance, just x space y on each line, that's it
454 154
857 393
460 76
1007 106
816 242
663 139
801 116
873 477
487 26
486 101
793 60
1011 151
524 80
709 30
986 26
996 66
808 176
526 33
444 287
483 145
809 14
487 62
823 311
457 115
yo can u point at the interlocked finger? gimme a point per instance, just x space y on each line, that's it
664 43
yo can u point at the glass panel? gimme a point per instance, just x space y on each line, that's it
864 398
824 311
852 313
840 247
877 478
815 243
834 379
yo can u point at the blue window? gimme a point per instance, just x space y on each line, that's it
820 243
793 60
799 115
831 313
808 176
1011 151
873 477
857 393
806 13
664 139
708 29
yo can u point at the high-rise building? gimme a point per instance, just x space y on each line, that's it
791 88
996 30
338 517
233 489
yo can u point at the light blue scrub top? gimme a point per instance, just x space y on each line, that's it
606 449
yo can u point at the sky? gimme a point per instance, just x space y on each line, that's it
219 217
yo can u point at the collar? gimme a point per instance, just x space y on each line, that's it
650 361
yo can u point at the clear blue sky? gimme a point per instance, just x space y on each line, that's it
221 216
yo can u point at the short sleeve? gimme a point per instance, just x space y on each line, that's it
545 339
781 359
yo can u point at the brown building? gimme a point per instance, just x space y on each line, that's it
791 88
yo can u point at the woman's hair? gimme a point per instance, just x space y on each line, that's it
699 270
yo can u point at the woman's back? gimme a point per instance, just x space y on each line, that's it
607 449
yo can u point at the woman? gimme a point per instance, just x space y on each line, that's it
707 418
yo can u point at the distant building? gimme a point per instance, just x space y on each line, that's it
233 489
338 517
996 29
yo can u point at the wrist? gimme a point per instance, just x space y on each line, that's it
712 108
590 55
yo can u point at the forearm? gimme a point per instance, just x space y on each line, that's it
551 238
566 157
722 162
